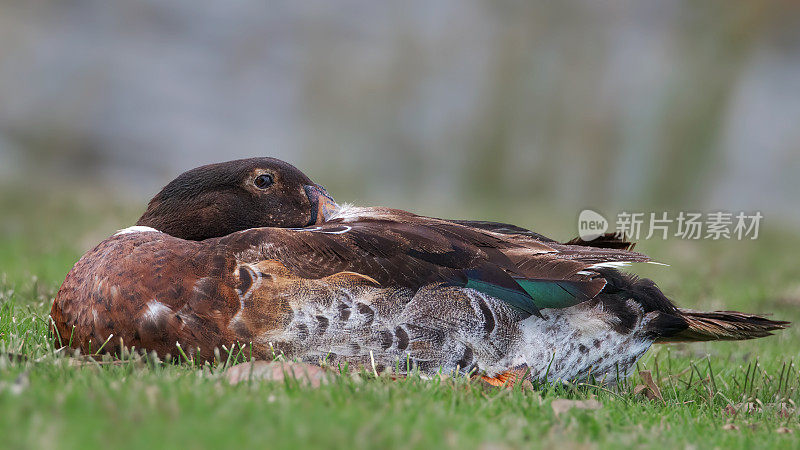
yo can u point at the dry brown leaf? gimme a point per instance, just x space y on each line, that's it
305 374
750 407
562 405
653 392
746 408
785 410
730 410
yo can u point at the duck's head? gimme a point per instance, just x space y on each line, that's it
219 199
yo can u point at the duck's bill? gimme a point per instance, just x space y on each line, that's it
322 205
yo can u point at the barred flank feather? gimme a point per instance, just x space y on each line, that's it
723 326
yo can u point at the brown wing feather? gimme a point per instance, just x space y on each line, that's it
414 251
502 228
607 240
393 253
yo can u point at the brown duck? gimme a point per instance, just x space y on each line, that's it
253 252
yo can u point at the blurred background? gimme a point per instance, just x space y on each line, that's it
508 110
519 111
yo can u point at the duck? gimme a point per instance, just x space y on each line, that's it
253 253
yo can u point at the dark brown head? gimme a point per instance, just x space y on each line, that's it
220 199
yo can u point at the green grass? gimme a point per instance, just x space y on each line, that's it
49 400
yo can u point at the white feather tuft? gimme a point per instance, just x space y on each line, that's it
136 229
155 309
610 264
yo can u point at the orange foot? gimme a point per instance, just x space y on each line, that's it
509 378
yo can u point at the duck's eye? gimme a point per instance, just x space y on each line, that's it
263 181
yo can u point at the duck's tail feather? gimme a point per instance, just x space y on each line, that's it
721 326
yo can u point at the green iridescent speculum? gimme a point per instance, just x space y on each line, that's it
541 294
